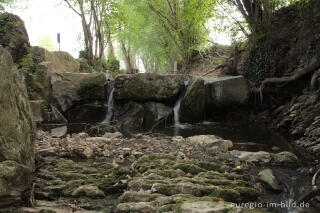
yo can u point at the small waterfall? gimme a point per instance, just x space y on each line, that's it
176 110
110 108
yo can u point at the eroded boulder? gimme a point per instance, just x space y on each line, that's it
17 133
69 89
226 91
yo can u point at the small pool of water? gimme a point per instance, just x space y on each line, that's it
244 137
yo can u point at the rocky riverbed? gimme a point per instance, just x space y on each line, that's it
149 173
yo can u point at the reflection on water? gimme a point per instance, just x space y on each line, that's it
244 137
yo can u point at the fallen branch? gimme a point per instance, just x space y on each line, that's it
315 64
212 70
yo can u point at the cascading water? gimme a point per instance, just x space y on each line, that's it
176 110
177 124
110 108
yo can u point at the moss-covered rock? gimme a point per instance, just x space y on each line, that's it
14 36
207 179
148 87
68 175
14 179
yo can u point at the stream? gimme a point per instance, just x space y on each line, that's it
296 181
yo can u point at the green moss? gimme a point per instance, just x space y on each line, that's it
154 161
167 189
209 166
230 195
69 175
248 194
189 168
67 165
70 186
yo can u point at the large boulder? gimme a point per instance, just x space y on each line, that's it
14 36
40 87
17 133
61 61
226 91
69 89
192 108
46 64
148 87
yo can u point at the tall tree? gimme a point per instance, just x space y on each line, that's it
162 32
94 15
259 13
184 22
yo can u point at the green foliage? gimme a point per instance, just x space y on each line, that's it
100 65
28 66
263 62
4 3
161 32
76 70
122 71
113 64
47 43
83 54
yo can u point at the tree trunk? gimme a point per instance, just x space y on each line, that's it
126 54
110 48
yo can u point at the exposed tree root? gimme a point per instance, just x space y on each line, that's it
314 80
314 64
